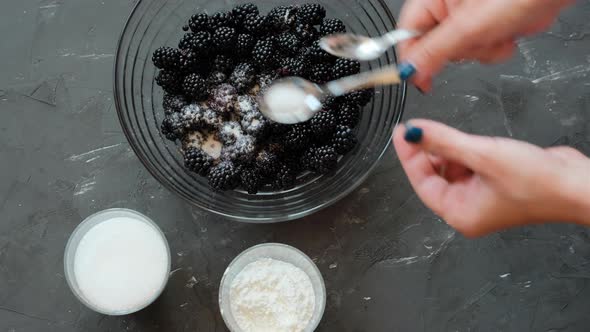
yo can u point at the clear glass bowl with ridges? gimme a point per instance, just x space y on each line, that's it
154 23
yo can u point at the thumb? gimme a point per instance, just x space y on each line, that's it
430 54
480 154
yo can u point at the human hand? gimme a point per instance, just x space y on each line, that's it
484 184
479 30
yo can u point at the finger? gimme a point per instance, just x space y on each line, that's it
456 172
429 186
565 152
472 152
420 15
451 171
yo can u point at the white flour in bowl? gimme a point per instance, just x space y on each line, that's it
271 295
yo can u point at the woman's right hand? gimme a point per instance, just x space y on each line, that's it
482 30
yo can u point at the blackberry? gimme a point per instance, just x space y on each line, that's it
293 160
166 58
306 33
245 44
229 132
211 119
224 176
242 151
256 24
251 119
293 67
288 43
348 115
240 12
196 160
243 77
298 136
343 140
251 178
316 54
199 42
283 17
320 159
191 117
223 98
332 26
196 116
360 97
185 27
190 62
195 87
284 178
323 124
199 22
278 129
170 81
224 38
263 54
222 19
311 13
320 73
186 41
265 80
267 162
333 103
345 67
216 78
172 127
173 103
223 63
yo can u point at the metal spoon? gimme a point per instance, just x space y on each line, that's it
363 48
293 99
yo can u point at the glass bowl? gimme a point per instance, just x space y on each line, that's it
280 252
154 23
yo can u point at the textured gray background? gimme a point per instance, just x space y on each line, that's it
389 263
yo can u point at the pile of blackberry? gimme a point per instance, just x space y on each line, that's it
211 82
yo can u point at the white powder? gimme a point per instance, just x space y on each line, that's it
269 295
121 264
206 141
288 104
212 146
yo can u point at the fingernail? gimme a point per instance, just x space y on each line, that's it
406 70
413 134
420 90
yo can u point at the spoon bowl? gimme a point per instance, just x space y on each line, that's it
363 48
291 100
352 47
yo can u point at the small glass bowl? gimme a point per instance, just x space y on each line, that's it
155 23
78 234
281 252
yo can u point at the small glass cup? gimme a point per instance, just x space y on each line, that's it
74 241
281 252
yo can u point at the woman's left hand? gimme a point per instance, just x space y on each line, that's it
484 184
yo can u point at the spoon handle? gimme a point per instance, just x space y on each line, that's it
393 37
382 76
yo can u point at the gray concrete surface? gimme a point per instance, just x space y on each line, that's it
388 262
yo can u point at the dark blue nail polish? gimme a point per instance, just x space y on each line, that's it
406 70
413 134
